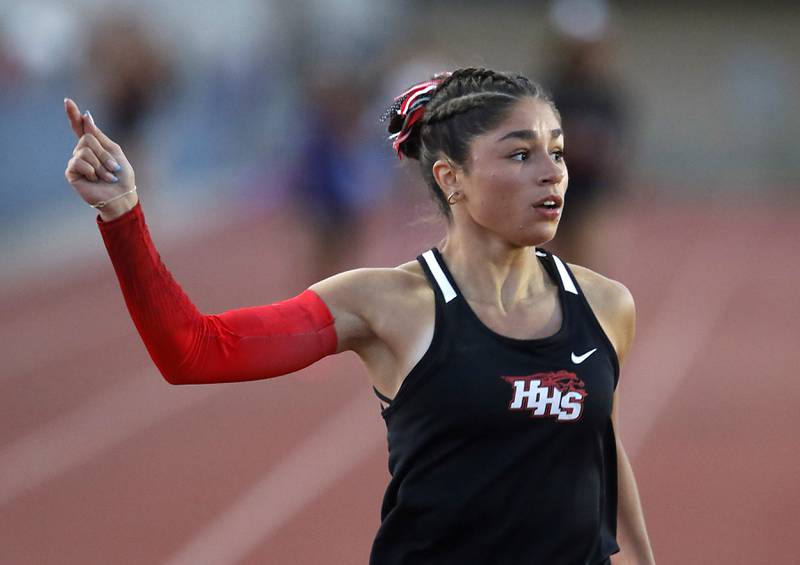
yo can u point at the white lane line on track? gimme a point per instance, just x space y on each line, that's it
334 449
109 418
704 285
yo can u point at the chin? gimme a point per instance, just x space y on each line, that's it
534 236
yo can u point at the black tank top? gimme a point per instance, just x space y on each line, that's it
502 450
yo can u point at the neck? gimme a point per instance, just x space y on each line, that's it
492 271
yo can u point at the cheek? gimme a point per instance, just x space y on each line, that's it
498 197
500 186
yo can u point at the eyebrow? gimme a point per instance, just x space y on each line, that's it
528 134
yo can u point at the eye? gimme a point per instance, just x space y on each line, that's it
558 155
520 155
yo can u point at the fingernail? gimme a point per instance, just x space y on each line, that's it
113 165
114 178
89 115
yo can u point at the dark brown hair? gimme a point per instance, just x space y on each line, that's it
468 102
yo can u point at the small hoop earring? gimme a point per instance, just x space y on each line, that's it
450 199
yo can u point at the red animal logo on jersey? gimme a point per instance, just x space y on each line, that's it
557 394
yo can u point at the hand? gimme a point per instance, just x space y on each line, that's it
98 169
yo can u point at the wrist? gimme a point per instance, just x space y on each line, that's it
115 209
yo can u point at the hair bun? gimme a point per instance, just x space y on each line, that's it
396 123
406 112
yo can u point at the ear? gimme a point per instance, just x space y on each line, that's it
446 175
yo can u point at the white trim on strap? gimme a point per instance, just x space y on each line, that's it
569 286
438 274
540 254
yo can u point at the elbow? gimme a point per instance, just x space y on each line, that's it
176 375
176 378
174 364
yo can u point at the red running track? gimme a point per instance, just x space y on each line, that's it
103 462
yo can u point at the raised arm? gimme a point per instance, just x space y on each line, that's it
188 347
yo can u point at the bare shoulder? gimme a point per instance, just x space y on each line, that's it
366 302
607 293
612 303
358 287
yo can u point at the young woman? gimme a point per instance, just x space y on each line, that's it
497 362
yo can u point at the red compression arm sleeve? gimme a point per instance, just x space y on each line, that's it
189 347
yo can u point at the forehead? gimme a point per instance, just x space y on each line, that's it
526 114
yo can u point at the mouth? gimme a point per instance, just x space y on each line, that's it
551 202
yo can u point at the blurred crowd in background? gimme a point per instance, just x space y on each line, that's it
263 103
253 127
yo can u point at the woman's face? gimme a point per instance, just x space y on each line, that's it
511 171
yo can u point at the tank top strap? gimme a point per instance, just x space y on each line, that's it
559 271
438 275
578 302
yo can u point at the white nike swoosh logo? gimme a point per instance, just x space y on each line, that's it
578 359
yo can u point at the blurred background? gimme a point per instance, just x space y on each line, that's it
253 130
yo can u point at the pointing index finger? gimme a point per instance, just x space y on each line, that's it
74 116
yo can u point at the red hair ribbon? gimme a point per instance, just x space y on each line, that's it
412 108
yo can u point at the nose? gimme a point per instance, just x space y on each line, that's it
551 173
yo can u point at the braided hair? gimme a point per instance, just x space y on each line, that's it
441 116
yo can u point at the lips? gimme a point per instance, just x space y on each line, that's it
554 198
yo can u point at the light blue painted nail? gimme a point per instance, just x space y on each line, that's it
114 178
113 165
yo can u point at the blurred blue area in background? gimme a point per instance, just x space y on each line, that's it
711 91
253 129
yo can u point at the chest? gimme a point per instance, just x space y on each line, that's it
528 319
483 386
